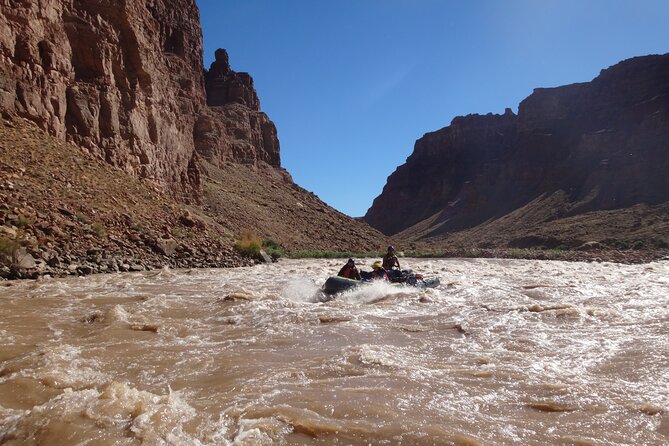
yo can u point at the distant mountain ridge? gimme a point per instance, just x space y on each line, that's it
596 146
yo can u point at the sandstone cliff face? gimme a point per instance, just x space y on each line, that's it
124 80
439 172
121 79
605 144
233 129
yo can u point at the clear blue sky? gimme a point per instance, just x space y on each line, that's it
352 84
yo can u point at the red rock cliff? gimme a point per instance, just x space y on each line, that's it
122 79
233 128
605 144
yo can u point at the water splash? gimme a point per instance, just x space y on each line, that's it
301 290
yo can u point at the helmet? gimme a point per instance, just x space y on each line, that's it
351 261
391 248
377 264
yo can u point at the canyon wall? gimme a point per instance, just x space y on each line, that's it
125 81
122 79
603 145
232 128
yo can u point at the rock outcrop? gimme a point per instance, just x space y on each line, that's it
225 86
121 79
233 129
125 81
601 145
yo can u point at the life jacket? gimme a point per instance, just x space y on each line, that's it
389 261
379 274
348 272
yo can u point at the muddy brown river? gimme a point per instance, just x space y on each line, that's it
504 352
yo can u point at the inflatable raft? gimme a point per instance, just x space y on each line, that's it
337 284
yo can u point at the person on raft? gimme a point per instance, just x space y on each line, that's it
350 271
391 263
379 272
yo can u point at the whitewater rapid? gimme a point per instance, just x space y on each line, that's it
504 352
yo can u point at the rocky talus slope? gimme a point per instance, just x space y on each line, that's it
578 163
125 84
261 200
64 211
244 185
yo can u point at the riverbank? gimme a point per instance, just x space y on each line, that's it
66 212
100 262
594 252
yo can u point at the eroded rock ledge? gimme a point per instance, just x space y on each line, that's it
599 146
232 128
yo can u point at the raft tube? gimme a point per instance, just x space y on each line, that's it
337 284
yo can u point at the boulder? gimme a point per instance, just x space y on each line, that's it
188 220
85 270
167 246
24 260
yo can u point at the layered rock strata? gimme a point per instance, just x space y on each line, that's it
604 145
121 79
233 129
125 81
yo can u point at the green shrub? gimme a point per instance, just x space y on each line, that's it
318 254
83 218
476 253
273 248
421 254
99 229
618 244
139 227
661 243
518 253
556 254
23 222
249 244
11 246
639 244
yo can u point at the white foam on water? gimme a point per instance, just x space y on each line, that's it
147 417
380 355
300 290
260 431
496 336
59 367
371 292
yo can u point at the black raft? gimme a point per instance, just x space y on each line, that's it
337 284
